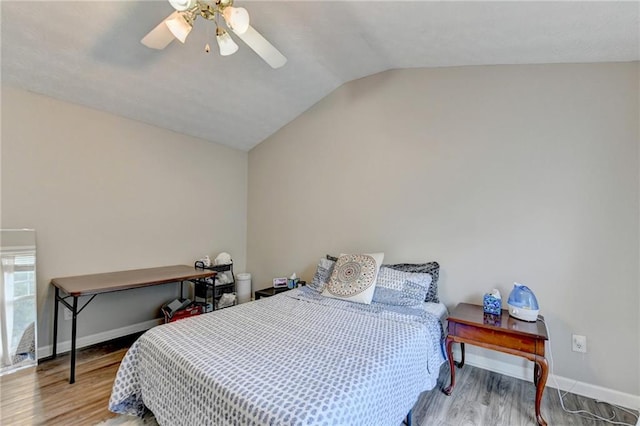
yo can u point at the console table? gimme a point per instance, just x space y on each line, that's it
92 285
469 324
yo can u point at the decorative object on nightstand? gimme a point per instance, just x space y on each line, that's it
492 302
470 324
280 282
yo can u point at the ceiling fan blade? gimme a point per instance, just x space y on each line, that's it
262 47
160 36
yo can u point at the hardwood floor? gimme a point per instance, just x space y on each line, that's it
43 396
485 398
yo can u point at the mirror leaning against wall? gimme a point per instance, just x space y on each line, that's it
17 299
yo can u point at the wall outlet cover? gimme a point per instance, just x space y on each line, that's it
579 343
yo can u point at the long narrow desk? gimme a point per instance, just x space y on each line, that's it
92 285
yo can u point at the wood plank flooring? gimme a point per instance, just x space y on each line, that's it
43 396
485 398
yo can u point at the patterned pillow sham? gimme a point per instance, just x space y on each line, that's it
431 268
354 277
395 287
322 275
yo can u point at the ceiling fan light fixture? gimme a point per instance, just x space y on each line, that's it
180 27
179 24
237 18
182 5
225 43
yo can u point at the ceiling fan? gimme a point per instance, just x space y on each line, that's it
179 24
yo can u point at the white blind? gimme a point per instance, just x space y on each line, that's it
24 260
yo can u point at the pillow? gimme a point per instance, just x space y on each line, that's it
401 288
354 277
322 275
431 268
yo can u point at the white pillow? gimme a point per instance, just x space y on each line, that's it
354 277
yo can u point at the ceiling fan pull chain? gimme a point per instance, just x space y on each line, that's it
207 48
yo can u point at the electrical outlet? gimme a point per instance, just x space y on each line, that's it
579 343
67 314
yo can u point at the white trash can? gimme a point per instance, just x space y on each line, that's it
243 287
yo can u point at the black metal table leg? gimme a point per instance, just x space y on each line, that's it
55 323
72 375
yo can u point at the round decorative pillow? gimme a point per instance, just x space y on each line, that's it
352 274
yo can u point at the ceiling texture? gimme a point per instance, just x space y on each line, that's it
89 53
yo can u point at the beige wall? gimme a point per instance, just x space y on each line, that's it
502 174
105 193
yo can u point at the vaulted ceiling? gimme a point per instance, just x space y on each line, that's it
89 53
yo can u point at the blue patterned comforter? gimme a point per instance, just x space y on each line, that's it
297 358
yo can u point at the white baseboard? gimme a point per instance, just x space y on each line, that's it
599 393
46 351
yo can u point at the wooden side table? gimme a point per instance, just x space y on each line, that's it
469 324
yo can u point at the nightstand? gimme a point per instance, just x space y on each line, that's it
268 292
469 324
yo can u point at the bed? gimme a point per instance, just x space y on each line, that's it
297 358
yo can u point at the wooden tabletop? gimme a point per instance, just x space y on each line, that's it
466 313
123 280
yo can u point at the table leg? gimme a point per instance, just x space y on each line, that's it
72 375
55 323
461 363
452 366
541 370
